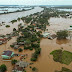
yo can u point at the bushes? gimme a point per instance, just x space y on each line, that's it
35 45
33 59
14 29
13 61
27 47
18 19
36 54
27 20
12 46
20 50
7 26
13 21
62 34
34 69
3 68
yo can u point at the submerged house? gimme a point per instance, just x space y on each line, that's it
19 66
7 54
53 36
70 29
3 40
46 34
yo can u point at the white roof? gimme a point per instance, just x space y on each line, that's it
70 29
46 33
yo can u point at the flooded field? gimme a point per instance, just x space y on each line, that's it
59 24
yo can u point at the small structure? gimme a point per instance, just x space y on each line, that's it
19 66
20 43
22 64
4 40
16 46
18 69
7 54
70 31
1 42
46 34
67 14
52 36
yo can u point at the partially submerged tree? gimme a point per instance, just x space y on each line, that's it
13 61
3 68
62 34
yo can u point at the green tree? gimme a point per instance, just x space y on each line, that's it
3 68
14 29
13 61
20 50
62 34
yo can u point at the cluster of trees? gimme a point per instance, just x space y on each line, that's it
36 54
62 34
13 21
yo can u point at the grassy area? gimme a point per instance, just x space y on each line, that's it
64 70
63 57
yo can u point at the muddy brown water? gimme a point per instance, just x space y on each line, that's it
45 62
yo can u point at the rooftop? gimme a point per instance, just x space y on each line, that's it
22 64
8 53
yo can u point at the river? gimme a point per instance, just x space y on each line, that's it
12 16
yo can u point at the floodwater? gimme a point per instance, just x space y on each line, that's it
12 16
69 10
57 24
45 62
8 17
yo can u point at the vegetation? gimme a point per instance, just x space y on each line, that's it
14 29
3 68
13 61
18 19
36 54
62 34
63 57
13 21
20 50
34 69
12 46
64 70
7 26
27 20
